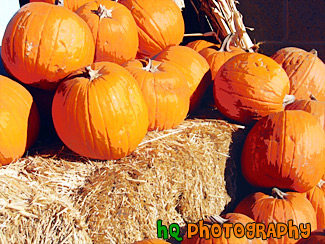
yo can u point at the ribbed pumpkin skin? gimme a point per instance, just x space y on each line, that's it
43 43
285 150
231 218
216 58
151 241
160 24
316 237
194 67
263 208
116 37
317 198
105 118
316 108
305 71
250 86
198 45
73 5
19 120
165 91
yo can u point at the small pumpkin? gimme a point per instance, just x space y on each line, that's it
40 52
151 241
229 218
99 112
316 237
194 67
19 120
279 207
285 150
250 86
313 106
165 91
317 198
160 24
73 5
305 70
114 30
198 45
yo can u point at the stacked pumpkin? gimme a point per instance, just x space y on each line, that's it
116 68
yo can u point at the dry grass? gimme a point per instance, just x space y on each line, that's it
55 196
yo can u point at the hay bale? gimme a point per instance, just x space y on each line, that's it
177 176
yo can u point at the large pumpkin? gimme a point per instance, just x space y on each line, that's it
305 70
99 112
316 108
198 45
73 5
279 207
114 30
317 198
316 237
165 91
194 67
235 219
160 24
43 43
19 120
285 150
250 86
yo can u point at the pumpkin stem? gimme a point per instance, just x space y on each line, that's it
103 12
288 99
151 68
226 43
217 219
314 52
59 2
321 183
276 193
312 97
93 74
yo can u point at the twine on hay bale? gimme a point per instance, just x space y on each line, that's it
178 176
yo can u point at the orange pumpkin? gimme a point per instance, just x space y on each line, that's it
73 5
40 52
19 120
160 24
114 30
250 86
316 237
229 218
194 67
151 241
198 45
279 207
99 112
165 91
317 198
285 150
305 70
316 108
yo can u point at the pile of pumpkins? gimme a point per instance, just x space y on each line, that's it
117 70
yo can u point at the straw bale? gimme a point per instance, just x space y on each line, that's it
176 175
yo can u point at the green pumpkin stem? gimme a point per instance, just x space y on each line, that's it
276 193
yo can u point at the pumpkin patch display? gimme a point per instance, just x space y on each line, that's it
40 52
285 150
114 30
250 86
165 91
99 112
194 67
305 70
19 120
290 209
73 5
160 24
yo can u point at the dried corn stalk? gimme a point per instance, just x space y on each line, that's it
225 20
